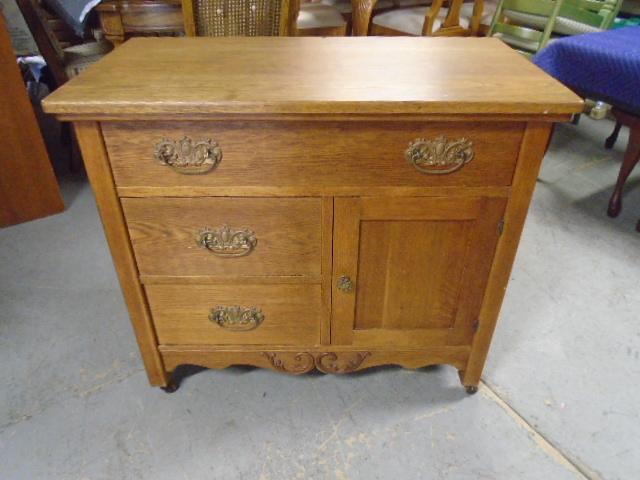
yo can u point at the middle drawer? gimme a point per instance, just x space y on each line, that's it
225 236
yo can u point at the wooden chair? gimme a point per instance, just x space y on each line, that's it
468 10
319 19
65 56
123 19
434 20
576 16
224 18
528 39
60 48
345 7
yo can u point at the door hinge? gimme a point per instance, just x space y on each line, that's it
475 326
501 227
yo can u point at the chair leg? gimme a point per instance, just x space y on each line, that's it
631 157
611 140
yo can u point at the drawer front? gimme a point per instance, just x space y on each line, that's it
236 314
225 236
308 154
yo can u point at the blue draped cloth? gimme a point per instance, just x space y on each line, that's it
604 65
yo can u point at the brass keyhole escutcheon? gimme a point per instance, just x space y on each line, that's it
345 284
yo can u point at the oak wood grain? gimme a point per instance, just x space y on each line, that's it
347 76
97 165
419 266
165 232
292 313
328 154
529 161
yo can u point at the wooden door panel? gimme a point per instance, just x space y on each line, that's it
419 268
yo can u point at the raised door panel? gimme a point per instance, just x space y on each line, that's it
417 269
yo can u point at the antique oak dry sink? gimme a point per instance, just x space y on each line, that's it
300 203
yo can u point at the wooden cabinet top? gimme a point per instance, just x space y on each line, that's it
313 76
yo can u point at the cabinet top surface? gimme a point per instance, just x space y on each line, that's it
307 75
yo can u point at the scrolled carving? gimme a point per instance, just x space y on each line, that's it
439 156
188 157
226 242
294 363
237 318
327 362
345 362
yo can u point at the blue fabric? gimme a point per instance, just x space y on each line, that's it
73 12
603 65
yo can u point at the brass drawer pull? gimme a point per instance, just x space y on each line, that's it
225 242
188 157
345 284
440 155
237 318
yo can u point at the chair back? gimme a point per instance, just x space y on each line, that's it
247 18
527 39
51 36
451 24
593 13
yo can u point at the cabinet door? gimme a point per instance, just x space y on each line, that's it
411 271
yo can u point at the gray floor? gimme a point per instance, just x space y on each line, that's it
560 399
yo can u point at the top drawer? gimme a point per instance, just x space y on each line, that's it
308 154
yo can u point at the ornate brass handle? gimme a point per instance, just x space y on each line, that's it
440 155
237 318
225 242
188 157
345 284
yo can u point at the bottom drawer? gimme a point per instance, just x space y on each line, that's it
236 314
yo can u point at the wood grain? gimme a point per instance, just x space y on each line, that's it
331 154
165 232
292 313
221 357
399 75
28 187
419 265
97 165
531 154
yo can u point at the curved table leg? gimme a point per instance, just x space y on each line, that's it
631 157
611 139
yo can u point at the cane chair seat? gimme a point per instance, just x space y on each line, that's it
411 20
488 11
344 6
317 15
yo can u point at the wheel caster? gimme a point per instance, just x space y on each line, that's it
171 387
471 389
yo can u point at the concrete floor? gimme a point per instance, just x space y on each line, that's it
560 398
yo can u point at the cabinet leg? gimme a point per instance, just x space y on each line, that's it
179 374
470 388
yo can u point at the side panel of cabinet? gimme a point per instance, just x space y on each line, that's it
418 267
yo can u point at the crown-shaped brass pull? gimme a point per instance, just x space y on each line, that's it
227 242
188 157
237 318
440 155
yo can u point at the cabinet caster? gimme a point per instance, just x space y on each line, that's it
171 387
471 389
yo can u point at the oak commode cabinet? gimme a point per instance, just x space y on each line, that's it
301 203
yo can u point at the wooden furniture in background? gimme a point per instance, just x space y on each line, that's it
433 20
318 19
123 19
65 60
530 39
290 221
28 187
224 18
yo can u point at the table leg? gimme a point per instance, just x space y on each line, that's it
631 157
